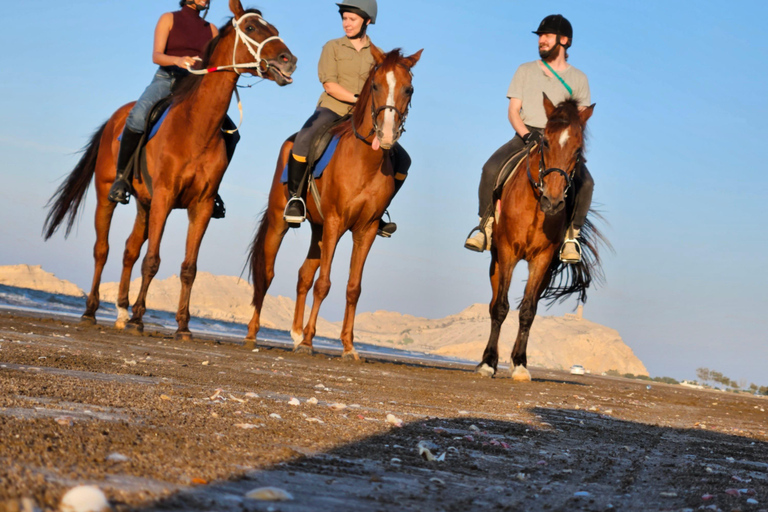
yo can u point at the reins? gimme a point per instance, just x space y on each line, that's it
544 172
250 44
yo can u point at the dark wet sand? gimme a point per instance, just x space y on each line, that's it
191 423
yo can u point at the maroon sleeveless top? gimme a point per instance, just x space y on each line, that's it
189 34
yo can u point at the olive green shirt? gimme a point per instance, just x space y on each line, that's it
530 81
340 63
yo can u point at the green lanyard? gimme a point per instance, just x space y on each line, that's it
568 87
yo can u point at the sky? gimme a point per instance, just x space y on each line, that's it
676 148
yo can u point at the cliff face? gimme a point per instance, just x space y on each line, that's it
555 342
35 278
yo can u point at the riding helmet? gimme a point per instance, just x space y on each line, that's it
364 8
555 24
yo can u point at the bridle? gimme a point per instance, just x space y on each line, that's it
545 171
376 111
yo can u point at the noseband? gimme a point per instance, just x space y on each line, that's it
544 172
376 111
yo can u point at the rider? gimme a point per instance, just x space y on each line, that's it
180 39
559 80
343 69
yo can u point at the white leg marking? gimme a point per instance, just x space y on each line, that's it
485 370
297 337
521 374
564 137
122 318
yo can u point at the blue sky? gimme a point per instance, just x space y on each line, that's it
676 147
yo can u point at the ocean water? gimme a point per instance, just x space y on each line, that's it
44 303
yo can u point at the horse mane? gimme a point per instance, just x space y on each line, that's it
186 86
361 109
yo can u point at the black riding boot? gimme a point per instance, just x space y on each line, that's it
230 143
387 228
121 189
296 210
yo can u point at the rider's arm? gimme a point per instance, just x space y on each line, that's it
338 92
515 104
162 30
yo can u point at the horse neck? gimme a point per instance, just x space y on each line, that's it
209 103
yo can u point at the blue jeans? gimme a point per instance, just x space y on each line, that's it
159 88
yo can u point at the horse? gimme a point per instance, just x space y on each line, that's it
531 217
185 165
355 188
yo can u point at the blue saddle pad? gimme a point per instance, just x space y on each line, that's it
320 165
156 126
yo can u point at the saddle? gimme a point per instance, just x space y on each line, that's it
157 115
321 149
508 169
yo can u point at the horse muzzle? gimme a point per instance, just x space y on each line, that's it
281 68
551 205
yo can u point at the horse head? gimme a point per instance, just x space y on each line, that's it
560 149
257 47
388 90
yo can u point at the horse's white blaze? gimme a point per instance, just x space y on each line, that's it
122 317
389 115
564 137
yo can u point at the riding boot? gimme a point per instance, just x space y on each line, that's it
296 210
570 252
219 210
387 228
121 189
230 143
481 239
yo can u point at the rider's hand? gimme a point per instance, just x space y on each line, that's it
184 62
531 137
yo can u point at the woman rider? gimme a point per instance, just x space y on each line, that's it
180 39
343 69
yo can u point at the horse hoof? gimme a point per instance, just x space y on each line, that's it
521 374
135 328
304 349
485 370
119 325
249 344
87 321
350 356
183 336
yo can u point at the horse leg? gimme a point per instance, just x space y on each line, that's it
158 216
268 240
362 242
502 266
306 279
538 278
132 250
199 216
331 235
103 220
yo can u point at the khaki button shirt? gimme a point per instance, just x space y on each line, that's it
340 63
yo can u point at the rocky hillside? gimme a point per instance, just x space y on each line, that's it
555 342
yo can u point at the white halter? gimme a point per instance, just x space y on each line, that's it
249 43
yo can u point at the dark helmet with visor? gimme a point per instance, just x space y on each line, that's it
556 24
367 9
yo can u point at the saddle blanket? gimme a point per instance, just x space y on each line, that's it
321 164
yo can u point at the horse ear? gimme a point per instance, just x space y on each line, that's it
549 107
236 7
586 113
413 59
378 55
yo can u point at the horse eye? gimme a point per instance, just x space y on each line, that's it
250 28
375 87
409 90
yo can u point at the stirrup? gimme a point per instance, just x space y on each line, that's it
472 247
577 244
120 192
295 219
386 228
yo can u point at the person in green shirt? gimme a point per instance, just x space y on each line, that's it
343 69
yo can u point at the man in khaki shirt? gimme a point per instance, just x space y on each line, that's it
343 69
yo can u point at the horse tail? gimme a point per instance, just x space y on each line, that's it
67 201
568 279
258 268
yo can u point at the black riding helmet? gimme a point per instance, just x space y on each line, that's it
556 24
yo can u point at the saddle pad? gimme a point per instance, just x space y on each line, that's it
321 164
155 127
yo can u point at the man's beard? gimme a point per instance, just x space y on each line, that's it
549 55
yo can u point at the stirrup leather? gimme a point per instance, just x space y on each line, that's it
577 244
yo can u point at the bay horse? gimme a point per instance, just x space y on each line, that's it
186 161
355 188
532 216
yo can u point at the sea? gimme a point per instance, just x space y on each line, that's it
52 304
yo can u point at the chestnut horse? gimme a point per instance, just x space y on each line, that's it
531 218
355 188
186 161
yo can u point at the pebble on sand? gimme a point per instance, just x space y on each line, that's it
84 498
117 457
312 401
294 401
269 494
394 420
